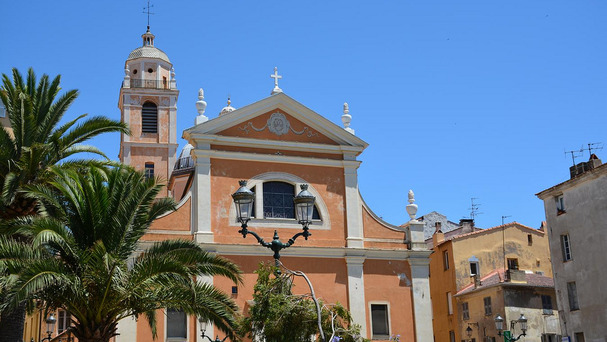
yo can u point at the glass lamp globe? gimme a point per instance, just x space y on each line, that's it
304 205
243 200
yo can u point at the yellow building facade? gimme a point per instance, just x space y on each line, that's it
462 260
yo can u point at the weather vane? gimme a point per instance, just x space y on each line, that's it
147 10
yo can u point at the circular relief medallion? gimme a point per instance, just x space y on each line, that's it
278 124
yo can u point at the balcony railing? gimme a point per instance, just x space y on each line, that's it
152 84
184 163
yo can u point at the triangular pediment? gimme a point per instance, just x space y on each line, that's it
280 118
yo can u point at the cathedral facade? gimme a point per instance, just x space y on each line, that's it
377 270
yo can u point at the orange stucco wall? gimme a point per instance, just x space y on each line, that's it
276 150
441 282
178 220
261 120
375 230
383 285
327 181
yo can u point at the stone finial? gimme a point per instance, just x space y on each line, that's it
411 207
173 79
201 106
346 118
127 77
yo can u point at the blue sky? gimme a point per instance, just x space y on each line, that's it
457 99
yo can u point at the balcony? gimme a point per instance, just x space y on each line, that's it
150 84
183 165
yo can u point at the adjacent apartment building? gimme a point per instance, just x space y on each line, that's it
576 213
477 274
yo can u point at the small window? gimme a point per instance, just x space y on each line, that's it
560 205
449 303
465 311
547 304
149 118
451 336
474 269
512 263
2 110
446 260
379 321
63 321
135 72
572 294
565 247
150 70
487 302
149 170
529 239
176 324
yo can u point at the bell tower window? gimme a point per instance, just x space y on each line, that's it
149 118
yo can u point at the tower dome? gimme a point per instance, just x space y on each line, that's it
148 50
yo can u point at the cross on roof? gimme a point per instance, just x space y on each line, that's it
276 77
147 10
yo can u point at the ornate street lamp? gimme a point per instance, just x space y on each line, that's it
304 209
50 327
499 325
203 327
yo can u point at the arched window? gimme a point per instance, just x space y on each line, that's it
149 118
278 200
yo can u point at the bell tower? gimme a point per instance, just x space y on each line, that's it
148 104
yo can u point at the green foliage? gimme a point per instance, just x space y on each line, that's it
36 141
88 257
278 315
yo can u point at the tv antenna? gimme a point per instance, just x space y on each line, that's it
505 217
594 146
147 10
474 208
574 153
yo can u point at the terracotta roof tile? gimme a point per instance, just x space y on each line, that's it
497 277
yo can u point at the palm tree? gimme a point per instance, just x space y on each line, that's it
33 143
85 257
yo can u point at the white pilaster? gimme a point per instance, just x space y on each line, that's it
201 209
356 291
127 330
422 307
353 208
416 235
259 200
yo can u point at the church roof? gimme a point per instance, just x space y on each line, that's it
148 52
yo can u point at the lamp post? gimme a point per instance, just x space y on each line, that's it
304 208
203 327
50 327
499 325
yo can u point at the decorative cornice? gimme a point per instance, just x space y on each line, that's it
319 252
271 158
197 138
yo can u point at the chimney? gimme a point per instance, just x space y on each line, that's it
437 226
476 279
467 225
583 167
438 236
